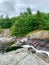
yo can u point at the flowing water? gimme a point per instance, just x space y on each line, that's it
38 51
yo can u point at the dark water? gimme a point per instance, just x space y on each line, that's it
8 49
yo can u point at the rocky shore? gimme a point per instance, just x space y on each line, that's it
24 51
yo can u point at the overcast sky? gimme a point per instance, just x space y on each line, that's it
14 7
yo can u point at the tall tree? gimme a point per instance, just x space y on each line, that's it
29 10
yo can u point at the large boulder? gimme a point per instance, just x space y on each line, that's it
21 57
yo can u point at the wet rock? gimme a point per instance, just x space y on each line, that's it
31 50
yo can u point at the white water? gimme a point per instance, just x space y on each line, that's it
26 46
38 51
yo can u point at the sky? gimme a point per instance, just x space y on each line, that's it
14 7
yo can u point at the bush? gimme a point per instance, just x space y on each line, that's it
24 25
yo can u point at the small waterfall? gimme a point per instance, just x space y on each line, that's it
38 51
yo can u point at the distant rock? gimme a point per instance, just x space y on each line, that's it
39 34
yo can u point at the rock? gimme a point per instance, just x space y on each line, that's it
42 54
31 50
41 44
24 40
21 57
5 33
39 34
5 42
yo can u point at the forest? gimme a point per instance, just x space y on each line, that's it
25 22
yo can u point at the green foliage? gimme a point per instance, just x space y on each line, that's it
29 11
26 22
24 25
1 29
6 22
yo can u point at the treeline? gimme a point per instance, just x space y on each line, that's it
26 22
6 22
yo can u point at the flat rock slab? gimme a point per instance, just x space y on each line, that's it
21 57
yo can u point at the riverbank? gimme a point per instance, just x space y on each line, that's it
20 51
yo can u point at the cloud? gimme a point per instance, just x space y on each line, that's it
7 7
14 7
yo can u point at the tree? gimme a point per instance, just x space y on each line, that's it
24 25
1 17
29 10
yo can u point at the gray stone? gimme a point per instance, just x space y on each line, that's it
21 57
